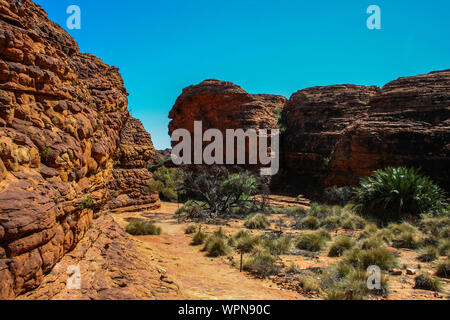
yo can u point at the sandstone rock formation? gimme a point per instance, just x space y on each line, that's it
61 115
334 135
337 134
224 105
112 267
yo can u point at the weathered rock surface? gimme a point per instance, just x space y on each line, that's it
334 135
337 134
61 115
224 105
112 267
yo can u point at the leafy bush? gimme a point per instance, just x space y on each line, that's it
168 182
222 192
426 281
443 269
315 241
257 221
393 193
140 228
281 245
341 244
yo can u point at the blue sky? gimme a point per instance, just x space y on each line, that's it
264 46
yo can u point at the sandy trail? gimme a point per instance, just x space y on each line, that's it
198 276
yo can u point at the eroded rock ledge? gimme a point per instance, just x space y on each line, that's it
62 113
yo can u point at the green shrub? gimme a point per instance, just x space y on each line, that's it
393 193
216 246
278 246
245 241
190 229
443 269
262 263
199 238
309 222
362 259
141 228
315 241
426 281
168 182
429 254
257 221
341 244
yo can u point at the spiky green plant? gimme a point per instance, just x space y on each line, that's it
393 193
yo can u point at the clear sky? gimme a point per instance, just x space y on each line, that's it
264 46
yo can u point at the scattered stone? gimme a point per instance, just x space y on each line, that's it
410 271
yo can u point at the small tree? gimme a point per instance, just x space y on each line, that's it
168 182
222 192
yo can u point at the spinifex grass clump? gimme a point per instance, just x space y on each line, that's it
362 259
141 228
244 241
341 244
257 221
278 246
443 269
394 193
315 241
199 238
217 244
426 281
262 263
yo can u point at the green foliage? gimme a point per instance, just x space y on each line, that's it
315 241
341 244
222 192
362 259
45 153
216 245
262 263
86 203
199 238
244 241
140 228
309 222
393 193
257 221
278 246
426 281
168 182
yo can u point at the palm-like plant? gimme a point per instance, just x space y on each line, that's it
393 193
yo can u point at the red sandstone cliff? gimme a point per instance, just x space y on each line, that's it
64 136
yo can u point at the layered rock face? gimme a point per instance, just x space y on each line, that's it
224 105
61 116
337 134
129 186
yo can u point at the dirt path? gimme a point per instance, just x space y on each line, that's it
198 276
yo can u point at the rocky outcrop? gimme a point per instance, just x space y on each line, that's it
337 134
112 267
224 105
61 115
129 186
